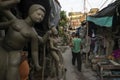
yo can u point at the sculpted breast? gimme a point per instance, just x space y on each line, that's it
17 25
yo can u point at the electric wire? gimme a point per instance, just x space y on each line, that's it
103 4
89 3
101 1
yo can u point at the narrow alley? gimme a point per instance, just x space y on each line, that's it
73 73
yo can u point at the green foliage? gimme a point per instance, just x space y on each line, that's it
63 20
61 32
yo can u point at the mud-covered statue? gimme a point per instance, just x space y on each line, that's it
19 32
56 53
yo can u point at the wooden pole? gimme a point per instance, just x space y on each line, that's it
44 62
87 42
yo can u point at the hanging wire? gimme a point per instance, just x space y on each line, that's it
89 3
92 1
100 3
112 1
103 4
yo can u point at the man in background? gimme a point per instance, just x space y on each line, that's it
76 49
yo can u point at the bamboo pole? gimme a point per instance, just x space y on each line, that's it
44 62
87 42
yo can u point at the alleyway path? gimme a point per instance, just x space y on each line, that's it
73 73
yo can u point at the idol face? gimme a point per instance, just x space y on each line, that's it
37 16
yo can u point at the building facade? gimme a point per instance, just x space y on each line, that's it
75 18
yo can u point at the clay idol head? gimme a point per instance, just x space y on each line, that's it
36 12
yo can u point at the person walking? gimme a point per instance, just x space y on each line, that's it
76 49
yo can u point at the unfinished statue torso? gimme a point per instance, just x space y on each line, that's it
17 35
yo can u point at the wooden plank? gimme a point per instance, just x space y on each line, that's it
114 63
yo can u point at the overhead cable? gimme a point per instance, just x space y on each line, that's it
89 4
103 4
